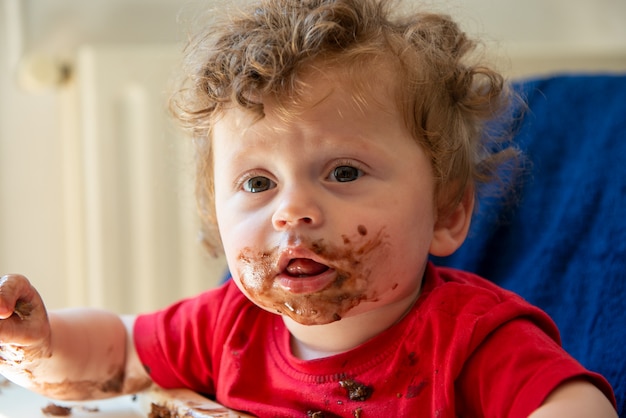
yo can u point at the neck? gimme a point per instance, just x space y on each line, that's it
309 342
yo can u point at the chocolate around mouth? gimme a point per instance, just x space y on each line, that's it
351 260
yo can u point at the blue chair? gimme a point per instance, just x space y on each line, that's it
559 238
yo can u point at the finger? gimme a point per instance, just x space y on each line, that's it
17 296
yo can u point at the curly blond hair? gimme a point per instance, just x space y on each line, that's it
446 97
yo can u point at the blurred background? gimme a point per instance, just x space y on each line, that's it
96 184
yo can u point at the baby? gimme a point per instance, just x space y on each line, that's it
338 147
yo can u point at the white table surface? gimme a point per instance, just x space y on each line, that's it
17 402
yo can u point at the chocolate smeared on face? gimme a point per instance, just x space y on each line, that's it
23 309
351 261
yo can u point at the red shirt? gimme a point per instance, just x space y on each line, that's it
467 348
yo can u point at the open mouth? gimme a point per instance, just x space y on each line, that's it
304 275
305 267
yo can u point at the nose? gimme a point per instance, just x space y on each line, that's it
297 208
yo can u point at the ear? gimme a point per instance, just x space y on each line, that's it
451 229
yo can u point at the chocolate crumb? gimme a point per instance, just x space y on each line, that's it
356 391
316 414
56 410
362 230
160 411
357 413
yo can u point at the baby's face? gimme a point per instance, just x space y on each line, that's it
327 215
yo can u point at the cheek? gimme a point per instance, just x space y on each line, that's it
410 227
235 237
239 233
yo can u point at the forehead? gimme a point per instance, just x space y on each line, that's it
327 108
362 83
325 89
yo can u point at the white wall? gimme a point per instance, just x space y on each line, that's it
30 188
557 33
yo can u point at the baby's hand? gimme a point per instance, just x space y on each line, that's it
24 326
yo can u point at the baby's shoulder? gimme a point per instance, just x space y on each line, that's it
465 298
463 286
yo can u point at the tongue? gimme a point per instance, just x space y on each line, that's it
303 267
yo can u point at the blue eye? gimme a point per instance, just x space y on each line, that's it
258 184
345 173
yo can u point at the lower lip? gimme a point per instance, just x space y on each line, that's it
304 285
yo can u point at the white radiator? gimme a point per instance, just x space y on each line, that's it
132 225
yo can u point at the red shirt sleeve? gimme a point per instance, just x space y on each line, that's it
518 366
176 344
